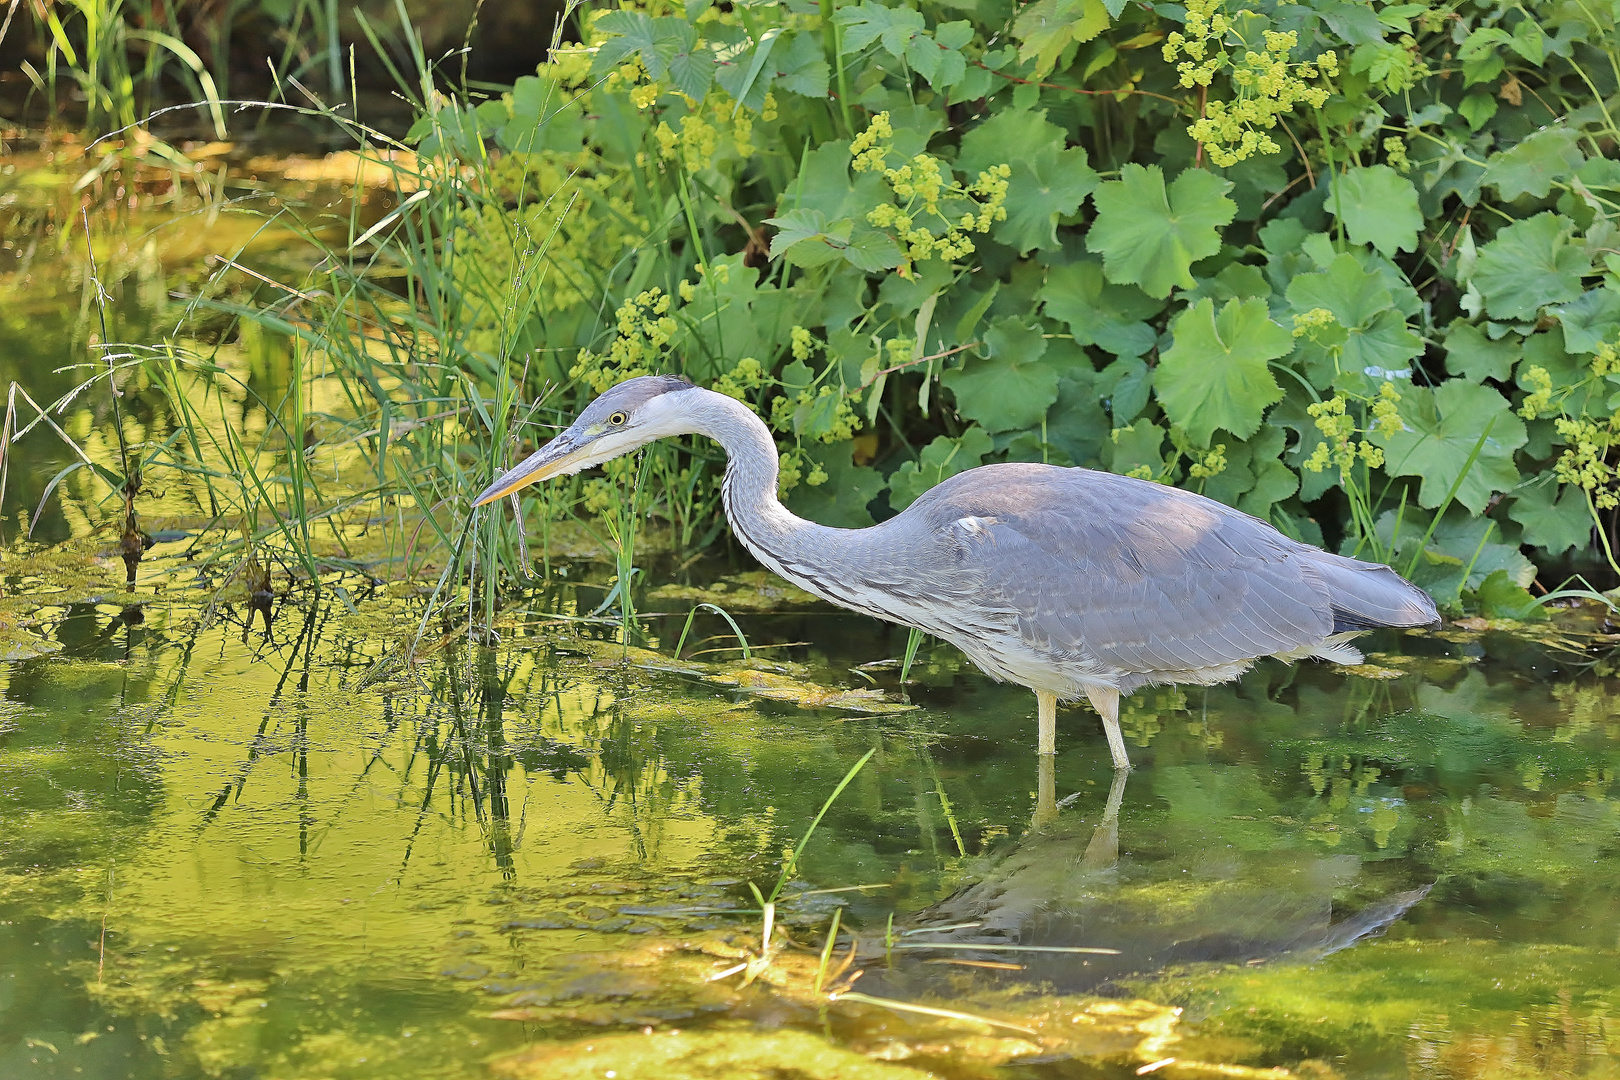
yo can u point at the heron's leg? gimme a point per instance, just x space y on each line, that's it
1046 722
1103 851
1106 702
1045 791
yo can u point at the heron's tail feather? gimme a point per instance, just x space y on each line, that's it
1365 596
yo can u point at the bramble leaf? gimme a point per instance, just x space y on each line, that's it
1440 429
1531 167
1151 237
940 459
1047 182
1530 264
1047 27
801 67
654 41
871 22
1378 206
805 238
1014 386
1215 375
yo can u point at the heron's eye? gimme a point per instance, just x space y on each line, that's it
618 419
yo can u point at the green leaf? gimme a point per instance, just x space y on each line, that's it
1530 264
1591 320
1475 357
1377 342
872 250
942 67
801 67
746 77
1378 206
871 22
1048 181
1500 597
1477 108
824 184
940 459
805 238
1013 387
1126 384
1440 429
655 41
1047 27
1216 374
1554 516
1098 313
1129 448
544 117
841 500
1531 167
1076 424
1150 237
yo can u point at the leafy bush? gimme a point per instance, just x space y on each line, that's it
1349 266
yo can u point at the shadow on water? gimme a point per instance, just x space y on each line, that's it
232 845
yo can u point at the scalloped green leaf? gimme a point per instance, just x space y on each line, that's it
1049 179
1531 167
1011 388
1440 429
1378 206
1529 265
1111 317
1149 235
939 460
1216 374
1376 340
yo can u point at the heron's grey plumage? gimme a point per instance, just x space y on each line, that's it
1068 581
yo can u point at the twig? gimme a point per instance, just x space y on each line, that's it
1075 89
876 375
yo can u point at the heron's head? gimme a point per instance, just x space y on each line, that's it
626 417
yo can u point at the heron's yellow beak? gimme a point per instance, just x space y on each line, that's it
559 457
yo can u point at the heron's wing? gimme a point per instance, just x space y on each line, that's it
1140 577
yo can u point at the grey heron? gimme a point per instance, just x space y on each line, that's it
1068 581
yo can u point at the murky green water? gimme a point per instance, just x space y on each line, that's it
229 857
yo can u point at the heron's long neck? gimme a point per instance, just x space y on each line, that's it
786 543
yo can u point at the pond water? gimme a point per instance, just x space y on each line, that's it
263 847
268 854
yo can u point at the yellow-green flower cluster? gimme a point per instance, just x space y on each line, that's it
1395 154
924 227
547 249
1585 462
1386 410
837 425
803 344
747 376
1205 23
1338 428
867 149
1306 323
1268 83
1539 400
702 130
645 330
1211 464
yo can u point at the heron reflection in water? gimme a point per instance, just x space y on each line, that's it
1071 582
